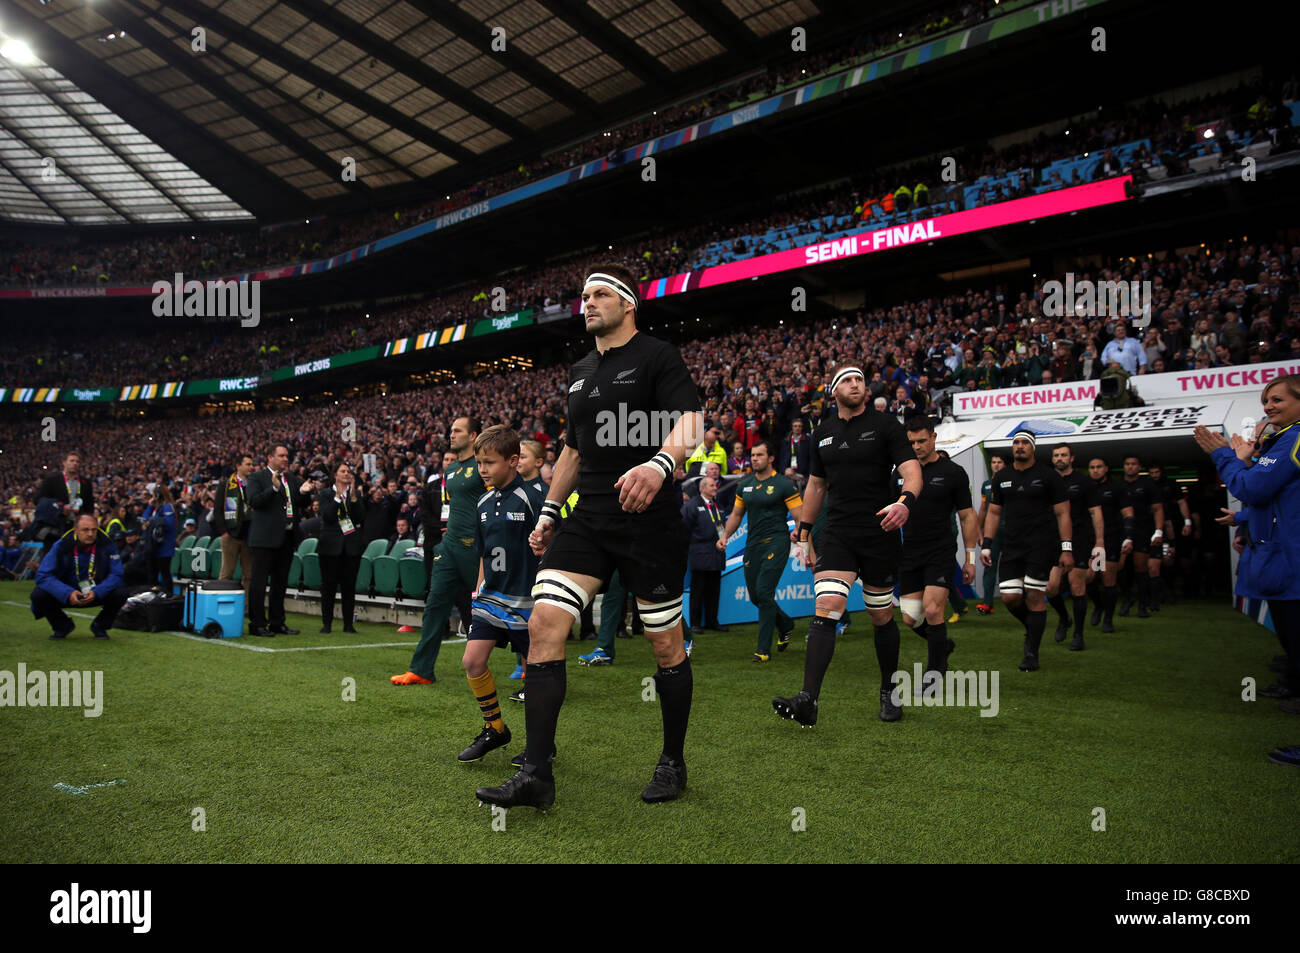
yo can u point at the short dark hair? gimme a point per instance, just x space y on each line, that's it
1099 459
274 447
1132 456
918 423
473 423
1064 445
242 456
766 444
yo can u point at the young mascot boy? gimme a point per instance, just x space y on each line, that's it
503 598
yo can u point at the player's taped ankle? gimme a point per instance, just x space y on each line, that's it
660 616
557 589
913 608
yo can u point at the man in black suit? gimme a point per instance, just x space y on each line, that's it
795 456
342 513
74 493
277 500
704 517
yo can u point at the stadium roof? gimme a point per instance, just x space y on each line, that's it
261 118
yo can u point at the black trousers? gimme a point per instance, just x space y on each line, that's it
1286 622
706 587
335 572
47 606
162 566
270 566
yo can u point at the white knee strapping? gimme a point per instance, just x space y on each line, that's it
879 600
1012 587
913 608
831 587
555 588
1039 585
660 616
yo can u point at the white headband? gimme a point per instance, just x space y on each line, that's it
1028 435
844 372
600 278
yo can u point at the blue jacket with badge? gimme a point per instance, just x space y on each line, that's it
64 564
1269 489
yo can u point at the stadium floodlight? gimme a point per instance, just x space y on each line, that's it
17 52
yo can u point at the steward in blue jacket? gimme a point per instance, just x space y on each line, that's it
1269 489
81 570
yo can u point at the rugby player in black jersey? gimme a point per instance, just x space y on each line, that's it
1117 518
854 453
1089 537
1149 531
1032 502
634 416
925 575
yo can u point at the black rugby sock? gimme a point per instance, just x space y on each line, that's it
1034 627
887 641
1058 603
821 647
545 694
675 687
1080 613
937 636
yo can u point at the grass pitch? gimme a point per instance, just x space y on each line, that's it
1147 724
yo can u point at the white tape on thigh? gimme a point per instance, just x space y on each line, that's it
660 616
555 588
1012 587
878 600
913 608
1038 585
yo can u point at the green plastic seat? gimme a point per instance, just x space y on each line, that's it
415 584
311 571
295 572
214 558
366 571
386 568
181 547
191 560
307 546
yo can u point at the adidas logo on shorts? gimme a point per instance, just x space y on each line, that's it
660 590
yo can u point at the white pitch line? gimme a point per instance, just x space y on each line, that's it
232 643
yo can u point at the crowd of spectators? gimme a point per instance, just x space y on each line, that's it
38 358
1221 306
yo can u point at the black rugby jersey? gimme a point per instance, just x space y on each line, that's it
1081 491
856 458
623 404
945 487
1027 498
1142 495
1170 492
1112 495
